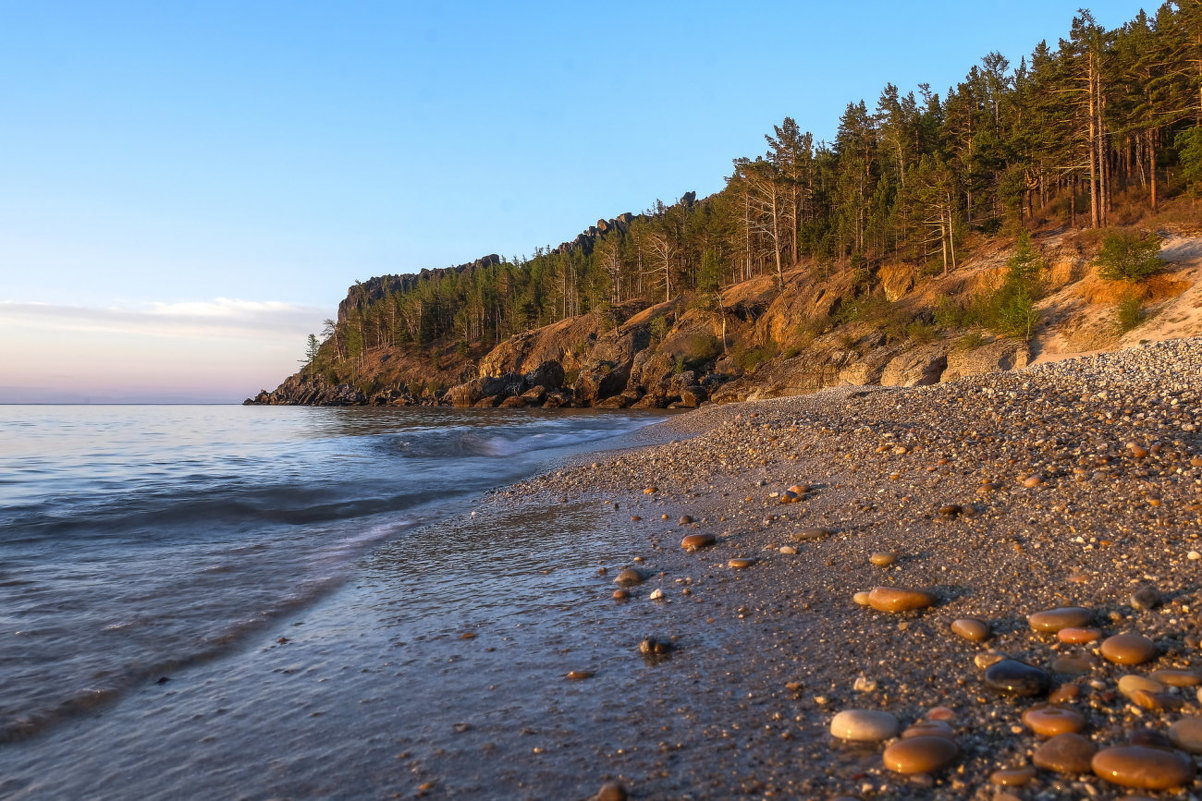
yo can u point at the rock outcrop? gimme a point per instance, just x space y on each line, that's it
754 340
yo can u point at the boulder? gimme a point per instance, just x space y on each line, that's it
469 392
693 396
992 357
915 368
515 402
549 374
652 400
600 382
535 395
779 378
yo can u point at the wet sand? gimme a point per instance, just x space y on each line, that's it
1001 495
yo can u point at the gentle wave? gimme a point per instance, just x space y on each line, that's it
135 541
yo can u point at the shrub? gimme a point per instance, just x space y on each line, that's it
920 332
697 350
971 340
1129 256
1128 313
1027 262
749 359
660 326
1015 314
952 313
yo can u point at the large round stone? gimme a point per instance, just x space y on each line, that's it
1143 767
1048 721
1074 635
971 629
1130 685
628 577
930 728
1053 620
1186 734
896 599
1129 649
1013 777
695 542
924 754
864 725
1178 678
1065 753
1011 677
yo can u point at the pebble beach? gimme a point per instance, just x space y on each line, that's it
982 589
985 589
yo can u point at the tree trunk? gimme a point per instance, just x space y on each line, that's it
1152 194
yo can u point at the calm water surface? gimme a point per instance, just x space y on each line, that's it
138 540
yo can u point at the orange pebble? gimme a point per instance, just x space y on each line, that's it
1077 635
940 713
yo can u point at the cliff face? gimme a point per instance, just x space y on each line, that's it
755 341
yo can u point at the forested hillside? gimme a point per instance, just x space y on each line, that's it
1096 130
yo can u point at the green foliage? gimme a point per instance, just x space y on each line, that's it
904 180
709 275
749 359
896 321
660 326
956 313
971 340
920 332
312 346
698 350
1128 313
873 308
1013 310
1026 264
1129 256
810 328
1010 309
1189 152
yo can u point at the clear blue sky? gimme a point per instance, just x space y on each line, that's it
187 188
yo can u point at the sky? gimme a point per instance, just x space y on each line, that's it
188 188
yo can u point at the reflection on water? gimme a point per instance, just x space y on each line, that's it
452 641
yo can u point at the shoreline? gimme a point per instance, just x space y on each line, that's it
1074 483
412 684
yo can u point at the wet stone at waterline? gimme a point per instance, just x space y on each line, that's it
628 577
695 542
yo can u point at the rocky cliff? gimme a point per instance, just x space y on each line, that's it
754 340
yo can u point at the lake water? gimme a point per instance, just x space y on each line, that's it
136 541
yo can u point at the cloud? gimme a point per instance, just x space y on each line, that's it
221 317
